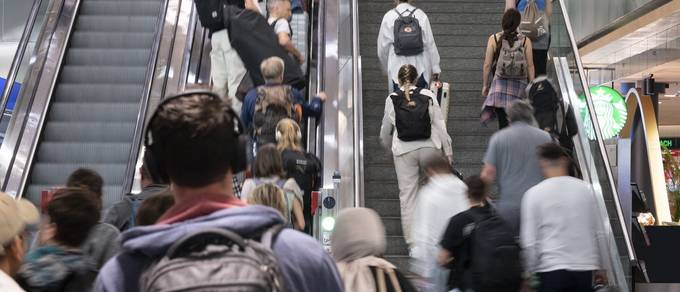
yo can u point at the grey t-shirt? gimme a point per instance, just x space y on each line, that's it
513 152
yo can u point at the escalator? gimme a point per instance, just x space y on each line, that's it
93 112
461 29
85 97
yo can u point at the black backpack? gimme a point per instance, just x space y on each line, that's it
494 256
305 168
215 259
412 117
210 14
550 113
408 35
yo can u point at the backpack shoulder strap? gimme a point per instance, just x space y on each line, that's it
395 96
499 44
412 12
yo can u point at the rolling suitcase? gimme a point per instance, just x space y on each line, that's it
443 99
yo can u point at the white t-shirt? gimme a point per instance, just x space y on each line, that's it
560 227
281 26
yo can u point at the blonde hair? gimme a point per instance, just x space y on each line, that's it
272 69
408 74
270 195
288 135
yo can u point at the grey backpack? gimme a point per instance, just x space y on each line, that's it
512 60
408 35
217 260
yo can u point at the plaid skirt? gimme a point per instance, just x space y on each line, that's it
501 94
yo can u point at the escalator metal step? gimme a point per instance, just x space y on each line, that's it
112 40
103 74
94 112
69 92
145 8
116 23
89 132
107 57
55 174
86 153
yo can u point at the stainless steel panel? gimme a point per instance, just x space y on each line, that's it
136 147
167 65
341 127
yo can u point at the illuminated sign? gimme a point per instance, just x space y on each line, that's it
670 143
611 110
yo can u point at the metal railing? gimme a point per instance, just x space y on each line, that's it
592 154
340 132
358 110
142 113
25 127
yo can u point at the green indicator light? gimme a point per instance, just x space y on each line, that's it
611 110
328 223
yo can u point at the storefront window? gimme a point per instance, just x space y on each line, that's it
671 163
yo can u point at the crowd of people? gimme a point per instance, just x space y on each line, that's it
226 200
459 238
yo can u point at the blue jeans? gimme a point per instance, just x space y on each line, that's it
420 84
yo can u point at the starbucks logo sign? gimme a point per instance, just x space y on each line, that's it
611 110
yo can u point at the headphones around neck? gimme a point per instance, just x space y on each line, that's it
237 161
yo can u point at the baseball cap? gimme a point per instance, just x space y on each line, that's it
14 216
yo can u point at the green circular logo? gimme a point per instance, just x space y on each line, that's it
611 110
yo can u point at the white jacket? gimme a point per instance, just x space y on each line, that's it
439 138
427 63
443 197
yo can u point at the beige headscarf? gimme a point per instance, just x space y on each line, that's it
356 243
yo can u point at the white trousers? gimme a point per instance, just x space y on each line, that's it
409 167
226 68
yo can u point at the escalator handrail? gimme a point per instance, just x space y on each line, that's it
358 109
597 130
135 148
19 55
313 130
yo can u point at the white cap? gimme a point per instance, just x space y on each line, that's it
14 216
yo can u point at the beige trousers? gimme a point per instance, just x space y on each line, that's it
227 69
410 175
